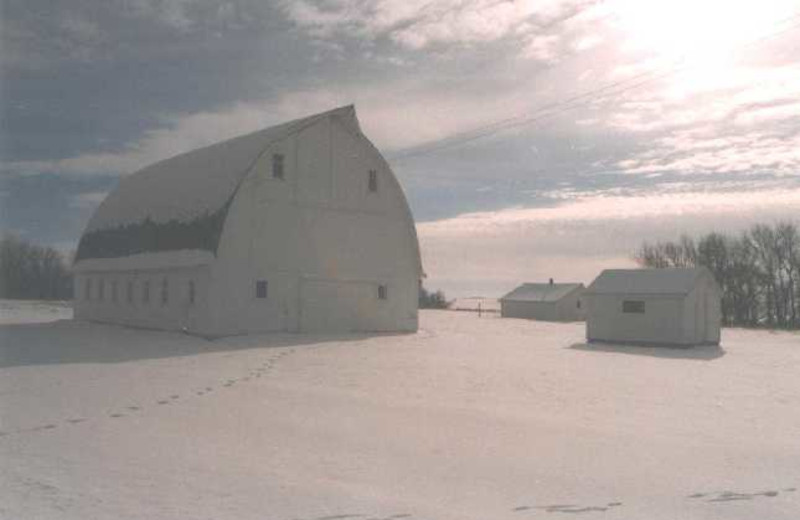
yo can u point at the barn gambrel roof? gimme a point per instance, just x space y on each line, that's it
541 292
667 281
181 203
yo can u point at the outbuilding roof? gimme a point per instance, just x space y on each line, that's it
667 281
181 202
541 292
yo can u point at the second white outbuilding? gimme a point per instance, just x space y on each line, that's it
544 301
654 307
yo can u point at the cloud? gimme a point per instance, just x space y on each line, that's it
422 24
490 252
386 116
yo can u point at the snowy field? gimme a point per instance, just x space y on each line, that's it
15 311
469 419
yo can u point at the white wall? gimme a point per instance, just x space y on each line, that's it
703 313
662 321
532 310
322 241
565 309
175 314
568 308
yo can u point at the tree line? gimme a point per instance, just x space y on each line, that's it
758 271
431 299
32 272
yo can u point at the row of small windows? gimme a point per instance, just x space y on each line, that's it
279 172
89 293
261 287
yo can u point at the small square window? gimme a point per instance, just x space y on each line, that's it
191 291
383 292
373 181
277 165
261 289
633 307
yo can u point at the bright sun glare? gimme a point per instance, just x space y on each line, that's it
706 36
699 29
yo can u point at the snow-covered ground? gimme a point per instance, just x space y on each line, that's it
32 311
471 418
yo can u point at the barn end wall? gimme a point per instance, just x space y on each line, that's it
320 239
102 296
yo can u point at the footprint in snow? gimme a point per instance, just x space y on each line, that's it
735 496
569 508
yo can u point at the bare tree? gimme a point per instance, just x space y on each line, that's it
758 271
28 271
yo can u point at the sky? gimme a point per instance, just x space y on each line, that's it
534 139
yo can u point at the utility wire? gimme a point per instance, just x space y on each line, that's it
611 90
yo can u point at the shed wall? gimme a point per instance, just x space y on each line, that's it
662 321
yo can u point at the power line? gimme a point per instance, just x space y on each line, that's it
571 103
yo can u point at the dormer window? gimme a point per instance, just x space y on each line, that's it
372 181
278 166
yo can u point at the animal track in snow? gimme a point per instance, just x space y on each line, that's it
569 508
735 496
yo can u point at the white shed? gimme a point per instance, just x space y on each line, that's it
544 301
298 227
654 306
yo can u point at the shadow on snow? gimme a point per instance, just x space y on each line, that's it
699 352
68 341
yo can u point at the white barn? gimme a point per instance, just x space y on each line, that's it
654 306
544 301
298 227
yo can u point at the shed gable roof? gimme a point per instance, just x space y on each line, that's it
541 292
182 202
667 281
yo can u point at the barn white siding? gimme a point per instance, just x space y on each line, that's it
145 307
334 255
